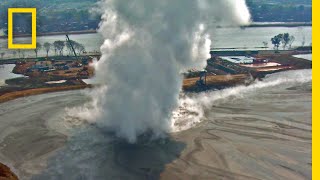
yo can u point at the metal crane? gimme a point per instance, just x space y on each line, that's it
69 41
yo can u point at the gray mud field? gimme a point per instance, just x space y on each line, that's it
263 134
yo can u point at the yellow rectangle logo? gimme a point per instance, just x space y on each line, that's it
33 12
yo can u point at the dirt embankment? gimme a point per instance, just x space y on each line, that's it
289 60
190 84
239 75
216 81
29 92
21 68
6 173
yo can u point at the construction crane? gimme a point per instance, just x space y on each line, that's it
70 43
85 69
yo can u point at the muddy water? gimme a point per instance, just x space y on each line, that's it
6 73
256 132
265 136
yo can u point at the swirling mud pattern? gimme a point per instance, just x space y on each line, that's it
262 131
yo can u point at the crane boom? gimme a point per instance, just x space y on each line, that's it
68 39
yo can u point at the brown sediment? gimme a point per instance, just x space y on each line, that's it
274 69
217 81
226 75
21 68
29 92
6 173
286 62
289 60
72 73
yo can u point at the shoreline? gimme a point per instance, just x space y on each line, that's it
278 24
253 25
189 84
9 96
237 76
54 34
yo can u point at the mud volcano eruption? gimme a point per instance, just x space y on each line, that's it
148 44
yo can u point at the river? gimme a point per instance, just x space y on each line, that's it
260 131
224 38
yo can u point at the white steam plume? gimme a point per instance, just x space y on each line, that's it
148 43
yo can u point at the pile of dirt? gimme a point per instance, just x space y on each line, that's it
216 81
289 60
6 173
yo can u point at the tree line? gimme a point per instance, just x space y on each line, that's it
57 46
286 40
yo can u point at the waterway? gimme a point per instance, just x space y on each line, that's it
251 38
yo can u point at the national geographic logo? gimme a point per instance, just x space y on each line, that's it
33 12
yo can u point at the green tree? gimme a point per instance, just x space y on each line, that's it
80 48
74 44
292 39
14 53
59 46
19 52
285 40
23 53
303 41
47 46
265 44
276 41
39 47
2 54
